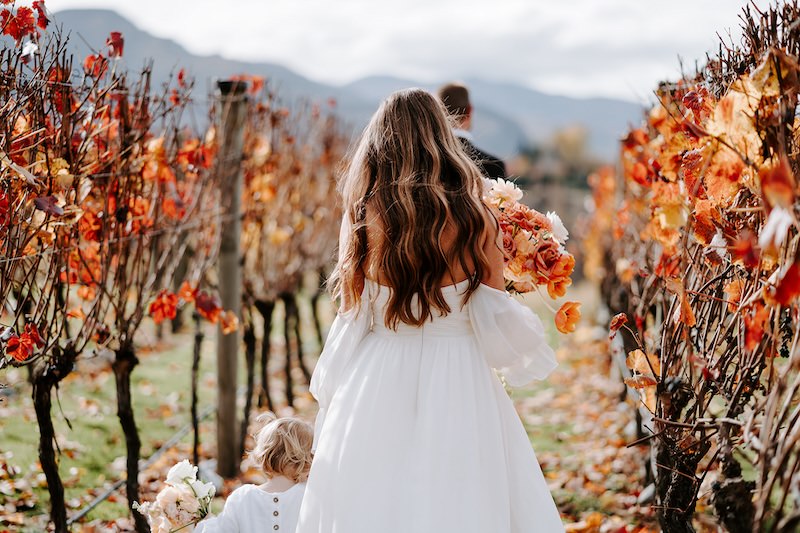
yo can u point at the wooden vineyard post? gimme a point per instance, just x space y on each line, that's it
232 110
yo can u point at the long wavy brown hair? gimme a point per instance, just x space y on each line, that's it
411 171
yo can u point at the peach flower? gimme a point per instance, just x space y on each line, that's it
568 316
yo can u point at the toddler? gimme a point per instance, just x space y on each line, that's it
283 450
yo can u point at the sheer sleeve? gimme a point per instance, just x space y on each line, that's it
511 336
348 330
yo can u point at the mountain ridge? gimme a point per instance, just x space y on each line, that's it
508 116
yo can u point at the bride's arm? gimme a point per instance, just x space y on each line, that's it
493 248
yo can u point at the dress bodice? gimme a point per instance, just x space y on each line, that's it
455 323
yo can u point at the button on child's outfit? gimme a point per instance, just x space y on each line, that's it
248 508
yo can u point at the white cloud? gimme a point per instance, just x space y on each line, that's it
578 47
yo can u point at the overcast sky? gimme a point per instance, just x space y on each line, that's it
617 48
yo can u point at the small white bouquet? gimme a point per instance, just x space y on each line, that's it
181 504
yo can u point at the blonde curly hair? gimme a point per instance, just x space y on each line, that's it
283 447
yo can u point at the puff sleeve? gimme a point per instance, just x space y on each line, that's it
511 336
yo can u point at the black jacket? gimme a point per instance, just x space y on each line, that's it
490 166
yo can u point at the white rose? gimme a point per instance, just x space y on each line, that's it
180 472
168 500
559 230
203 490
505 191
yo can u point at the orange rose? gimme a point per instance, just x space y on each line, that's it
567 317
509 244
546 258
526 218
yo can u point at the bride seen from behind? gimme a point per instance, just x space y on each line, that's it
416 433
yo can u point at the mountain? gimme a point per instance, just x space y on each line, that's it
507 116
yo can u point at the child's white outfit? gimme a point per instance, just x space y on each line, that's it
250 509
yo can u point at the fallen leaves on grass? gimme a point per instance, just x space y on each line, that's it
594 477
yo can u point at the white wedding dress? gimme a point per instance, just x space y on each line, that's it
415 432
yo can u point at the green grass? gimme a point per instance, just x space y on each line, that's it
90 447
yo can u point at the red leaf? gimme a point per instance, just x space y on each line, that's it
48 204
8 22
778 184
33 334
4 217
755 320
208 306
164 306
744 249
115 43
95 65
19 347
618 321
41 15
26 23
789 287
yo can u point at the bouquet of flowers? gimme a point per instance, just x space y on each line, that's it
181 504
533 245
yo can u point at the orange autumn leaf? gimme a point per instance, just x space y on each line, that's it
788 288
618 321
174 207
755 320
705 215
186 292
778 184
17 25
32 333
567 317
733 294
95 65
87 292
76 312
19 348
229 322
668 265
643 364
687 313
744 249
165 306
722 179
640 382
646 385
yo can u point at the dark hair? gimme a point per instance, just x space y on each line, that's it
455 98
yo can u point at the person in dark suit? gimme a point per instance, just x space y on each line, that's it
455 98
